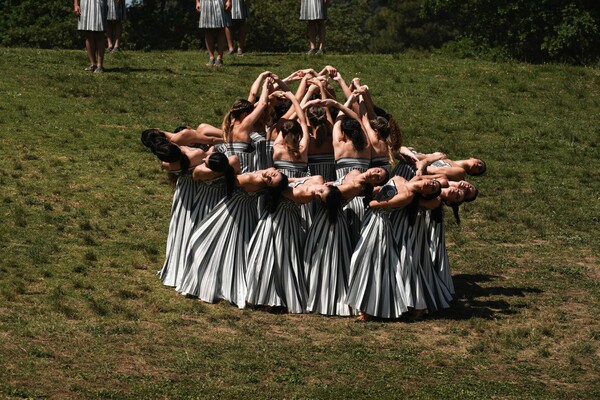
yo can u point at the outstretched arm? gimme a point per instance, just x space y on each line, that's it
256 86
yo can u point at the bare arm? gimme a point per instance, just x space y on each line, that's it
256 86
259 107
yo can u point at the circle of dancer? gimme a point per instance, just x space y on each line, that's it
301 203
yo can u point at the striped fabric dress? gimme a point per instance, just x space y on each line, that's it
264 151
213 14
439 253
407 171
92 16
327 256
182 223
377 285
216 257
117 10
275 260
245 152
313 10
423 286
355 209
297 170
322 164
239 9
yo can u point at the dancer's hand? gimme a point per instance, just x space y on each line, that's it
76 9
228 5
198 5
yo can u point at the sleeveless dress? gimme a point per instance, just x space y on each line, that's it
116 11
355 209
297 170
180 229
245 152
322 164
92 16
239 9
216 257
327 257
377 275
423 287
263 157
213 14
275 269
313 10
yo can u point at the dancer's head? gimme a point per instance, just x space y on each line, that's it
237 112
353 130
429 189
332 198
470 191
317 116
277 184
476 167
376 176
272 177
381 126
292 133
394 134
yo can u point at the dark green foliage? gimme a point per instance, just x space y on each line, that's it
534 31
44 24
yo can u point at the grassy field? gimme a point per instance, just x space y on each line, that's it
85 210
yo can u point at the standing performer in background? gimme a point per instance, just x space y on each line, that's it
92 19
239 13
315 12
117 13
214 17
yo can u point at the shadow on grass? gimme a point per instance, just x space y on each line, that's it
473 301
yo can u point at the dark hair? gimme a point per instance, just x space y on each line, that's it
353 130
382 126
219 162
317 116
434 194
333 200
483 169
237 109
394 137
367 190
292 132
181 128
474 196
273 195
281 108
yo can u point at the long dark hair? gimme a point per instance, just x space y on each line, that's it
237 109
317 116
333 200
394 137
292 132
219 162
273 196
353 130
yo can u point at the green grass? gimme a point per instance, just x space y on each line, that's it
85 211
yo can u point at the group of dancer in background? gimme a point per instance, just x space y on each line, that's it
218 19
294 204
97 18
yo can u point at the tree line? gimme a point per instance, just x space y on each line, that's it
529 30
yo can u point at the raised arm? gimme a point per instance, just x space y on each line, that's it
256 86
259 107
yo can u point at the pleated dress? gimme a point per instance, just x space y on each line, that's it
322 164
354 211
407 171
423 287
297 170
275 274
245 151
181 225
313 10
213 14
217 251
327 256
117 11
377 275
439 253
92 15
239 9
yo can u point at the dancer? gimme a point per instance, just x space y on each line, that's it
275 254
216 259
315 12
329 247
91 16
214 17
239 13
117 13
